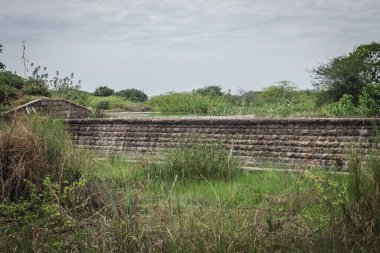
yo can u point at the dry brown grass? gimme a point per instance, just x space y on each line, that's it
31 148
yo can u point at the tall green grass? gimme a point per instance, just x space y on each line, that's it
199 161
193 103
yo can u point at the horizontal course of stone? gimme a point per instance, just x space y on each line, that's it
58 107
319 142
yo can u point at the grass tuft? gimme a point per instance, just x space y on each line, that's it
197 162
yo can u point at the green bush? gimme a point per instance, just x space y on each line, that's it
66 88
10 79
6 93
134 95
210 91
343 108
10 84
369 100
283 91
103 91
103 105
36 87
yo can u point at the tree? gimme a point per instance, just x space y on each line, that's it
2 66
134 95
10 85
103 91
282 91
210 91
348 74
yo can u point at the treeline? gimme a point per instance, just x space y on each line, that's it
347 85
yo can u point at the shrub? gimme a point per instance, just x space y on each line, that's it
284 90
103 91
210 91
134 95
66 88
369 100
343 108
10 84
6 93
103 105
36 87
7 78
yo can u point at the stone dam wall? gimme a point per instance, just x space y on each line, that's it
320 142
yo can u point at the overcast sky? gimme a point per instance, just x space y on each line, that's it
179 45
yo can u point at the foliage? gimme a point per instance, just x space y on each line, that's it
348 74
33 148
103 105
37 83
10 85
12 80
369 100
103 91
297 104
45 220
192 103
121 206
359 221
134 95
343 108
210 91
66 88
199 161
248 96
2 66
117 103
369 104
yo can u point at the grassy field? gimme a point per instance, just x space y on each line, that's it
54 197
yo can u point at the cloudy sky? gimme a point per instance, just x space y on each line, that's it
179 45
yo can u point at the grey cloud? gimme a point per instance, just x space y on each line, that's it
169 21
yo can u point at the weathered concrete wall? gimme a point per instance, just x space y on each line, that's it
59 107
291 141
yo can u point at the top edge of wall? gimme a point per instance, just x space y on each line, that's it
234 120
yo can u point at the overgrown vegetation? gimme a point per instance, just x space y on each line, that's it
115 103
368 105
348 74
281 100
198 161
57 198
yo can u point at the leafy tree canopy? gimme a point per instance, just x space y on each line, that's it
281 91
210 91
348 74
134 95
103 91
